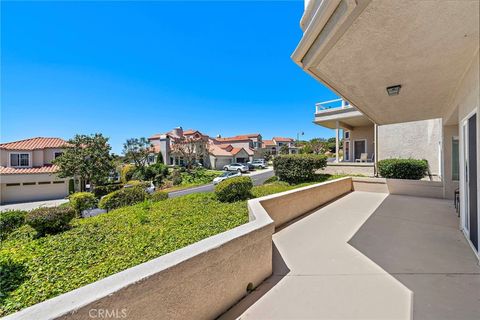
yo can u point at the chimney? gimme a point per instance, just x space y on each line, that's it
178 131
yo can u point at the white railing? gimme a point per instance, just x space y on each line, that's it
332 104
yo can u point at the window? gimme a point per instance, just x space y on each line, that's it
29 183
57 154
151 159
347 134
58 182
19 159
12 184
455 160
45 182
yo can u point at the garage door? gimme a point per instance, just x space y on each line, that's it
26 192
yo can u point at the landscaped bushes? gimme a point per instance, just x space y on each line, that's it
82 201
271 180
50 220
10 220
101 191
234 189
199 176
123 197
299 167
403 168
127 172
159 196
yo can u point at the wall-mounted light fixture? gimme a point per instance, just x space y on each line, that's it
394 90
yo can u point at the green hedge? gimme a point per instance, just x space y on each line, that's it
159 196
299 167
123 197
11 220
411 169
101 191
80 201
271 180
50 220
234 189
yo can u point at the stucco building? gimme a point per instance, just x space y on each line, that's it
27 172
361 136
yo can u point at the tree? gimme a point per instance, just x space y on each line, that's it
317 146
86 157
160 157
136 150
191 149
284 149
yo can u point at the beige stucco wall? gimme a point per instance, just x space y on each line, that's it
415 188
351 168
49 155
286 206
363 132
417 139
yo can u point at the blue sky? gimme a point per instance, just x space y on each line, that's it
132 69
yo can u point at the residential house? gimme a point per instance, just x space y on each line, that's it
165 143
365 143
273 146
219 151
27 172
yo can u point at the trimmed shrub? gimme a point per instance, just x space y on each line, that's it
50 220
159 196
299 167
101 191
411 169
234 189
176 177
271 180
127 172
138 183
80 201
11 220
123 197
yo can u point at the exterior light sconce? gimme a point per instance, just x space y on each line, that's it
394 90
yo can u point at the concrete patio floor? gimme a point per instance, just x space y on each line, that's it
369 256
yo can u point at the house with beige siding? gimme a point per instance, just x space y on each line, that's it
27 173
365 142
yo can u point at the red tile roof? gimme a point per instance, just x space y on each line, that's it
280 139
268 143
236 138
45 169
34 144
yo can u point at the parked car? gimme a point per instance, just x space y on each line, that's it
240 167
226 175
259 163
250 166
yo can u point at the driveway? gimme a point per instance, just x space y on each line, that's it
27 206
258 178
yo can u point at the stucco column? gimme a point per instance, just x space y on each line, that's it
375 149
337 141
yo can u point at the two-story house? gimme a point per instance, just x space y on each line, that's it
27 172
273 146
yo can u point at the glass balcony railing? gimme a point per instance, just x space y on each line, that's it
331 105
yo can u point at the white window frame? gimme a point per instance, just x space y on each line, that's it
20 153
345 134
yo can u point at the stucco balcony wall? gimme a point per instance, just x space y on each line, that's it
200 281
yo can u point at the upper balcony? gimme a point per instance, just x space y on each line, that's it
339 112
361 48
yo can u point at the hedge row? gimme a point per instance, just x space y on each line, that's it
299 167
411 169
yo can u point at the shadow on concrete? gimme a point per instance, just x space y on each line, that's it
417 240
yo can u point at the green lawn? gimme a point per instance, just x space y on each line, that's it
35 269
